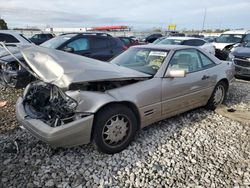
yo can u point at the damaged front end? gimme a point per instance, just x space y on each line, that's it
52 116
50 104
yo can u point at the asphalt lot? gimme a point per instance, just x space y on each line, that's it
197 148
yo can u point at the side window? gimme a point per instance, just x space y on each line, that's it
199 42
43 36
8 38
187 60
247 38
189 42
99 43
126 41
206 62
79 44
35 37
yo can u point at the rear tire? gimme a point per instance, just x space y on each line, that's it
114 128
218 96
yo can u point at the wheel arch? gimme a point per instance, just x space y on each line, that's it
224 80
128 104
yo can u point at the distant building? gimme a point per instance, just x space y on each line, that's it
85 29
67 30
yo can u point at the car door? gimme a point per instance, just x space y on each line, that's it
182 94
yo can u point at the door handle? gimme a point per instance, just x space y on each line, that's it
205 77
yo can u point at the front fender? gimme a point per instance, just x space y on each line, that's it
90 101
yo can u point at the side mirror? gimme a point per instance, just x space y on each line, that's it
68 49
175 74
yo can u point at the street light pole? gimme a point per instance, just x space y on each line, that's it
204 20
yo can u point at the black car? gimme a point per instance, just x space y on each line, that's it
41 38
151 38
99 46
241 58
94 45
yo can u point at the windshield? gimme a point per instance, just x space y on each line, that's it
229 38
57 41
143 60
171 41
158 40
247 44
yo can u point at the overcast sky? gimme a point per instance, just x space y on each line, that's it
140 14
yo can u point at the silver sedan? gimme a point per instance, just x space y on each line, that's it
80 100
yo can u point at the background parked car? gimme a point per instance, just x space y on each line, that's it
195 35
99 46
128 42
41 38
134 38
225 42
210 38
175 34
94 45
241 58
151 38
159 39
13 37
189 41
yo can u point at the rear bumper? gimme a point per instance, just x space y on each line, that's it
71 134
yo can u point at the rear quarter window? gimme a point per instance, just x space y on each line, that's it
99 43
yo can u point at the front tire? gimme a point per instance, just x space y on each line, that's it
218 96
114 128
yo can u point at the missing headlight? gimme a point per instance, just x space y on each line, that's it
50 104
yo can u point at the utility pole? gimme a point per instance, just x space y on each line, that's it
204 19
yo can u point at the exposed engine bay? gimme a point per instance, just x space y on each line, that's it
49 104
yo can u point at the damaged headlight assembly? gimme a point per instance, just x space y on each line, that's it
50 104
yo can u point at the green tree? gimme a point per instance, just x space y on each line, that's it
3 24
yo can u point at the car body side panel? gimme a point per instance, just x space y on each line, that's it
184 93
145 95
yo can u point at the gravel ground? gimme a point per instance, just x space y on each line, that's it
198 148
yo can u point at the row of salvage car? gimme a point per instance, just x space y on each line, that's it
72 100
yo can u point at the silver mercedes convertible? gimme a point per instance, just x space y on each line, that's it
78 100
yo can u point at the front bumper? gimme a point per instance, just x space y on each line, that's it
71 134
242 71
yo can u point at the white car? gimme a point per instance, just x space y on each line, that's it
228 40
13 37
231 37
189 41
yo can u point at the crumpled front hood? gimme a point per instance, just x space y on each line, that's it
241 52
62 68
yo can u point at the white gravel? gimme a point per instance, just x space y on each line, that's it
198 148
